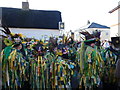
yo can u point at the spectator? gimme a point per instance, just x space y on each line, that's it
106 44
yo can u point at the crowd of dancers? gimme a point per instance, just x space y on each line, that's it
58 63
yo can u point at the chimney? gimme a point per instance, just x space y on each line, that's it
25 5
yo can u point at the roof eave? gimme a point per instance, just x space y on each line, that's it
116 8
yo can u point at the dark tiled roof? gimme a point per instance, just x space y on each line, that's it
41 19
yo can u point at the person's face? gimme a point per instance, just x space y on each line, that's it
28 47
110 43
19 47
92 44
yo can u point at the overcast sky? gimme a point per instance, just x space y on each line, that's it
75 13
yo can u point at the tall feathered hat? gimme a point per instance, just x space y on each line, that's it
9 37
92 38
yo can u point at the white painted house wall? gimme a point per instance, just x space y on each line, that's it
105 34
114 23
36 33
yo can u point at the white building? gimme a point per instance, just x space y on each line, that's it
91 27
115 27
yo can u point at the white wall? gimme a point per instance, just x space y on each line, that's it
105 34
113 24
36 33
114 31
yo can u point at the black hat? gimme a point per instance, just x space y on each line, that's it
16 44
28 44
89 41
115 41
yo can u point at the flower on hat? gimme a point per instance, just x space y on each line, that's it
24 42
12 34
20 35
8 42
37 40
59 52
